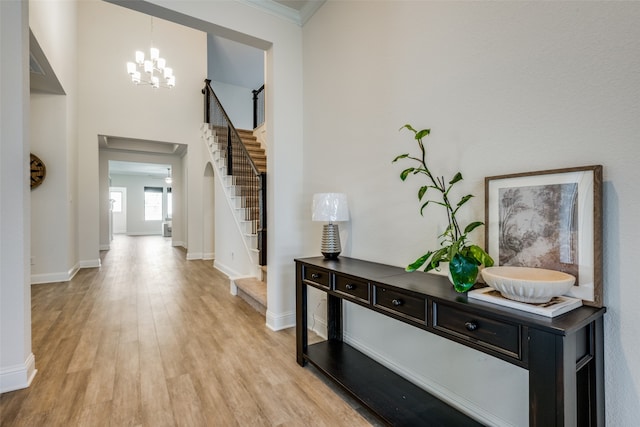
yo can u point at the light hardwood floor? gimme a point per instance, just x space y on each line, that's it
150 339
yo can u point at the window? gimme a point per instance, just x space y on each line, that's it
169 203
116 201
153 203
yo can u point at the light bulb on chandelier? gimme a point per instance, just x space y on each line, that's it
155 64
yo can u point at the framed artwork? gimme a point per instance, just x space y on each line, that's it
549 219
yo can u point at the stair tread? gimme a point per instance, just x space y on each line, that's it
253 287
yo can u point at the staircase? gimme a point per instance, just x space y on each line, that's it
257 153
240 164
252 289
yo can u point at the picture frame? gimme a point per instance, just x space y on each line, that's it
549 219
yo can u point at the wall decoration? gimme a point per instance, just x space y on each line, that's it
38 171
549 219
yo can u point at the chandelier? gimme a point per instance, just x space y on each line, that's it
154 70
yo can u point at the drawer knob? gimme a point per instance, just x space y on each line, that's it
396 302
471 325
350 286
315 275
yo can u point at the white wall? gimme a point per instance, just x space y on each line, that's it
49 201
231 255
111 105
237 102
505 87
208 213
17 363
53 138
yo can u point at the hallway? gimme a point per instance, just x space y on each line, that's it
150 339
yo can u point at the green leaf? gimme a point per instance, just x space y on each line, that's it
408 126
418 263
454 249
480 256
421 134
438 256
424 206
422 191
464 200
440 203
472 226
406 172
464 272
456 178
401 156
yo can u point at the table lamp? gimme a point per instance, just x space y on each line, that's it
331 207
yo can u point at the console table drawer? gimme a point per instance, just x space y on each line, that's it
356 288
316 276
400 303
500 336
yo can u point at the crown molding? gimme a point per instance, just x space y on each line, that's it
299 18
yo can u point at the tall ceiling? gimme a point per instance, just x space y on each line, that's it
242 65
154 170
234 63
230 62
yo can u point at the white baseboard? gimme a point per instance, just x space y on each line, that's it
18 376
438 390
278 322
55 277
144 233
319 326
226 270
194 255
209 255
73 271
90 263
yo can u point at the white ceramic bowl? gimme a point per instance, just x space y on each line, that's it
526 284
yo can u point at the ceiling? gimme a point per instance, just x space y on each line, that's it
42 77
242 65
234 63
154 170
106 142
231 58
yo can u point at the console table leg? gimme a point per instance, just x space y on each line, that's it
301 318
553 393
598 385
334 318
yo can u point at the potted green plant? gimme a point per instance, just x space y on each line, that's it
464 258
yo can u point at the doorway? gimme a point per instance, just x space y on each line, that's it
118 198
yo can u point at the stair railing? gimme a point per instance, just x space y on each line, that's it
249 182
258 106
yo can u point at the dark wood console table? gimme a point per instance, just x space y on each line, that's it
564 355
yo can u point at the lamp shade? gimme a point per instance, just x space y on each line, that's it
330 207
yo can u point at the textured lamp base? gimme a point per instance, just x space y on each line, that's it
330 247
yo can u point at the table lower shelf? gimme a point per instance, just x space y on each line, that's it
393 399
